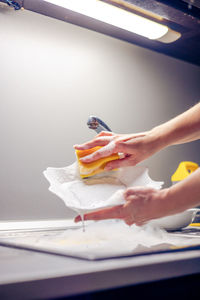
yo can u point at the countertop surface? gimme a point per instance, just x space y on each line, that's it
27 274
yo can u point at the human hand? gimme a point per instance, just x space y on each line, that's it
142 204
134 148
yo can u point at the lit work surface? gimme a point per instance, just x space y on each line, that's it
33 275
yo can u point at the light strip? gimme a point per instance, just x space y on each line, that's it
115 16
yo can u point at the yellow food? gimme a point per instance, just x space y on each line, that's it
95 167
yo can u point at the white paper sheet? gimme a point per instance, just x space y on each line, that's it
82 197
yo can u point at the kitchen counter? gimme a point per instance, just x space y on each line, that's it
27 274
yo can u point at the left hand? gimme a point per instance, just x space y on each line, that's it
133 147
142 204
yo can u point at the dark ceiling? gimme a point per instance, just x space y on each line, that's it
181 16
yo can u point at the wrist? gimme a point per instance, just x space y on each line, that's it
157 138
157 205
170 202
162 136
165 204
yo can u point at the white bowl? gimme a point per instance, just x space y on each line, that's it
177 221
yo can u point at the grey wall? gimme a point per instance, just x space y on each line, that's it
53 75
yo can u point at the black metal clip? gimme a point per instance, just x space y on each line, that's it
13 4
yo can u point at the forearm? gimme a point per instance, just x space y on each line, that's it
183 195
182 129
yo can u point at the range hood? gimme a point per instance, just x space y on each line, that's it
182 17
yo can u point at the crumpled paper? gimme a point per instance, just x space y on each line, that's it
82 196
105 239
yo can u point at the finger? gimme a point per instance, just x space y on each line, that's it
131 192
78 218
128 138
136 191
140 223
98 141
129 221
129 143
124 147
120 163
116 212
105 133
130 199
103 152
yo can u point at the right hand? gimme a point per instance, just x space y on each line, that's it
142 205
134 148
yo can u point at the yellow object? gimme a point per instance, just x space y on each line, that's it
184 169
195 224
95 167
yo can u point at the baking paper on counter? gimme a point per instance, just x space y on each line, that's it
104 239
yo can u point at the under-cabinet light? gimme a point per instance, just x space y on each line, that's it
120 18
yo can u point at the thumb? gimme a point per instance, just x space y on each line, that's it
123 162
